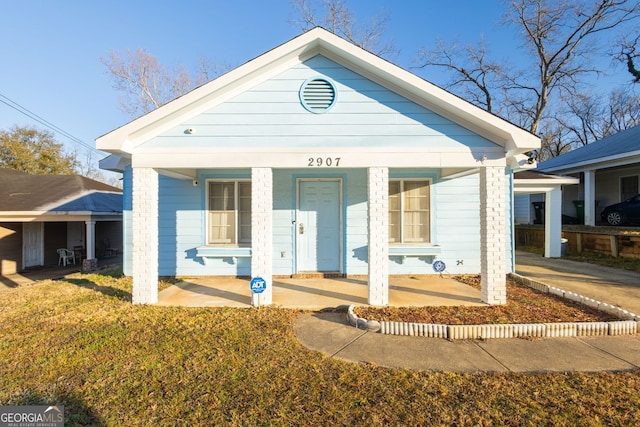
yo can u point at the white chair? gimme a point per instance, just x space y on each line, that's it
66 256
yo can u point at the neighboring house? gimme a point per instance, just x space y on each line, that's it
318 157
543 189
40 214
609 172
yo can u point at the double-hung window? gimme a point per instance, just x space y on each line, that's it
409 211
229 212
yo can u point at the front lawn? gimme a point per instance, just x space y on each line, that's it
82 344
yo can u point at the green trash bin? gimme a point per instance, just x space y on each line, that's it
579 204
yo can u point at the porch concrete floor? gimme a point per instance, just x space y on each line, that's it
319 293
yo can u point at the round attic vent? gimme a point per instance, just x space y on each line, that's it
318 95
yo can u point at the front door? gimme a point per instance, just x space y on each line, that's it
318 226
32 242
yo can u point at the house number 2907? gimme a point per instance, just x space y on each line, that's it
323 161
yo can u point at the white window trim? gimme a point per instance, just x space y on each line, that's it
237 209
429 237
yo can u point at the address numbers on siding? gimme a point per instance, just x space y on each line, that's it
323 161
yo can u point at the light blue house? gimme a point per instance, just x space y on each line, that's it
318 157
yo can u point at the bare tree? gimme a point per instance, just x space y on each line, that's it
144 84
336 17
555 141
561 37
629 52
587 119
473 73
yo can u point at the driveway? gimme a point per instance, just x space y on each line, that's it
610 285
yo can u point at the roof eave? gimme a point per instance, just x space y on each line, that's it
604 162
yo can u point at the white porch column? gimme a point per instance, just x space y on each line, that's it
90 238
262 232
378 195
553 223
590 197
145 236
492 235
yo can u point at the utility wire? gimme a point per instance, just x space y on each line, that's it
5 100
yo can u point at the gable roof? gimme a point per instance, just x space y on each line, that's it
318 41
23 192
621 146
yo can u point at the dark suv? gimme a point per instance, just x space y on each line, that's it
627 212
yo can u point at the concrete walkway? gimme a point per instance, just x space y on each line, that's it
328 332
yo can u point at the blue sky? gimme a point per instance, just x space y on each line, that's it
51 50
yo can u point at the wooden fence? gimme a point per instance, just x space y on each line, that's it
617 242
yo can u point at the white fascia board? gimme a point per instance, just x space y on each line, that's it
530 186
594 164
44 216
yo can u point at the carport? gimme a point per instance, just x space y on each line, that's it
532 182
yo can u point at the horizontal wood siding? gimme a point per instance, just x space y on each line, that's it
365 114
509 233
357 232
455 205
522 209
127 235
182 222
283 226
457 224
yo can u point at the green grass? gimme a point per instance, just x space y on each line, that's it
81 343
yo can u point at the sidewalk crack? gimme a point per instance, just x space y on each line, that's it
608 353
492 356
349 343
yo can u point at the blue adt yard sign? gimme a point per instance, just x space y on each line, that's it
258 285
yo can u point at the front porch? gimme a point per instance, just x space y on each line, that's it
317 293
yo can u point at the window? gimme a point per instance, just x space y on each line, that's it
229 212
409 211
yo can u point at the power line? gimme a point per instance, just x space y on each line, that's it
10 103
